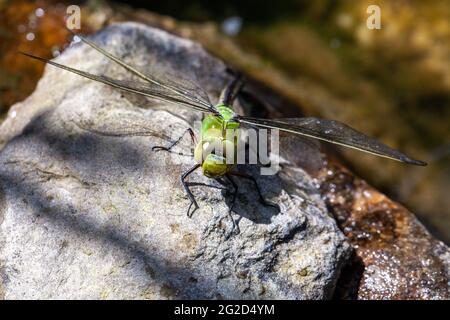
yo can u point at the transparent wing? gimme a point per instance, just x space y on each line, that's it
334 132
144 89
182 87
187 87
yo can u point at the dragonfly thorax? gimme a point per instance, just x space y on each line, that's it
217 148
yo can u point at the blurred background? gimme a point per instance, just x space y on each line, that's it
392 83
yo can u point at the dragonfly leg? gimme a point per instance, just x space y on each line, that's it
173 144
188 191
229 93
249 177
233 201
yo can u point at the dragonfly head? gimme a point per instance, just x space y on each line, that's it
216 155
215 166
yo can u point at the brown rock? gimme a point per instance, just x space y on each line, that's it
395 257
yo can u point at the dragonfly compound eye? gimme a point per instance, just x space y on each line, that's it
214 166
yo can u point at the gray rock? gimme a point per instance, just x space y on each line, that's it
87 214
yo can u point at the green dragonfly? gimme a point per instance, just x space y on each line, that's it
220 118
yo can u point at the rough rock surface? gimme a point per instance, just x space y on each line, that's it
87 214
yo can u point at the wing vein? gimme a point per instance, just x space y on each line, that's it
333 132
123 85
143 76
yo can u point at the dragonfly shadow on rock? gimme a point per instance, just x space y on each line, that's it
252 198
92 155
129 127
